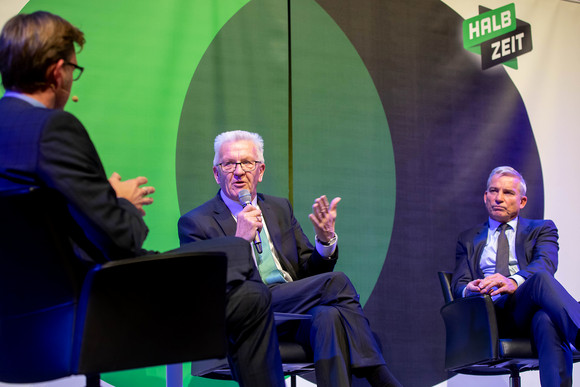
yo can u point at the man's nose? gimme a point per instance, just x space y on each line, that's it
238 170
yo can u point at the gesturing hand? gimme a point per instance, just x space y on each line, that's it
132 191
323 218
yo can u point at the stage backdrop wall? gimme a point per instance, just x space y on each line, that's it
374 101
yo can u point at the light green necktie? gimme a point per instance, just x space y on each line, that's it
266 265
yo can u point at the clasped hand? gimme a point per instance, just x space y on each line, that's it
493 285
323 217
132 191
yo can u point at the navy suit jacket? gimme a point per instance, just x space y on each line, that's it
536 250
50 148
213 219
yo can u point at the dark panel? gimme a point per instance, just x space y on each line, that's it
241 83
450 123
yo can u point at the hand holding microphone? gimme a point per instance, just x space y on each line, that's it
249 220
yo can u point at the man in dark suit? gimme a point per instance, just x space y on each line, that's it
43 146
298 274
514 260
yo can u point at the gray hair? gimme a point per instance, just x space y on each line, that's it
238 135
508 171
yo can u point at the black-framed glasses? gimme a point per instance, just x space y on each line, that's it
77 71
247 166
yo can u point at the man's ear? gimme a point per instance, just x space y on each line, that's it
261 173
216 174
523 202
54 74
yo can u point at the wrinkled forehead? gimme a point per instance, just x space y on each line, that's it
505 180
238 150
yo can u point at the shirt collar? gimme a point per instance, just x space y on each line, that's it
25 98
494 224
234 206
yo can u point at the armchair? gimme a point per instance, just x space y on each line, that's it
473 343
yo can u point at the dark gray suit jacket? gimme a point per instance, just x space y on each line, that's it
213 219
51 148
536 250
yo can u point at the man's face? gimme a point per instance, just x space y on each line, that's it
232 183
503 199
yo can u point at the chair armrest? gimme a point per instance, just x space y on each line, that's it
153 310
471 331
445 278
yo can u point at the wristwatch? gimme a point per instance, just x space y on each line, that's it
330 242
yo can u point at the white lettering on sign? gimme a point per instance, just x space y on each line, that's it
489 24
507 46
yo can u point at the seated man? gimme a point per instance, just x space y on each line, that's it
43 146
298 275
514 260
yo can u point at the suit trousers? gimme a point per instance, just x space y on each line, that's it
253 351
542 308
339 335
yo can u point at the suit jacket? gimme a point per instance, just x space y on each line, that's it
213 219
51 149
536 250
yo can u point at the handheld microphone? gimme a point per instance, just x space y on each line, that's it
245 199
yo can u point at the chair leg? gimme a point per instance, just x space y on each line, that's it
174 375
292 380
93 380
515 380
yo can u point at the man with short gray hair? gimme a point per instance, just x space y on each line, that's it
514 259
299 276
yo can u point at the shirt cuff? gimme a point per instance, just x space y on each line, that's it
326 250
518 278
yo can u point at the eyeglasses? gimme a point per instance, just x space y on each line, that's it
247 166
77 71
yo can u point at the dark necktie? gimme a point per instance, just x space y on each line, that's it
503 252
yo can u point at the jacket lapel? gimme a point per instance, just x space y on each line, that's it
521 235
478 245
271 218
223 216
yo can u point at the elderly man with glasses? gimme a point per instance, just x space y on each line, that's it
300 276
